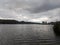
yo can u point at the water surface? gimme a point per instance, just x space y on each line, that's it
24 34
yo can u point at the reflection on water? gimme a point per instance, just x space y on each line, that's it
27 35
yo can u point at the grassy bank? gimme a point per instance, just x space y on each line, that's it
56 27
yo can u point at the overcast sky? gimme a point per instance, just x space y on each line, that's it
30 10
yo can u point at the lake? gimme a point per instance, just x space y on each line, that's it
28 34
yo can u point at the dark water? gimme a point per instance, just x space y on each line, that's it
28 35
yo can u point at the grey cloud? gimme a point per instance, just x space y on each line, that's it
32 6
32 9
5 13
47 5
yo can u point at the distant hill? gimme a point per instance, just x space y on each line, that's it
8 21
2 21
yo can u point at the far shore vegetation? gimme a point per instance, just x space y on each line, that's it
5 21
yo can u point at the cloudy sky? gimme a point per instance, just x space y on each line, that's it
30 10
